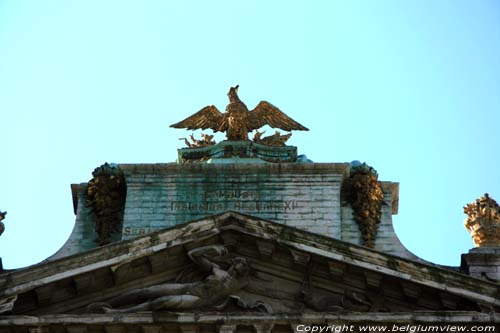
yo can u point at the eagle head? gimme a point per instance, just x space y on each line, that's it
233 93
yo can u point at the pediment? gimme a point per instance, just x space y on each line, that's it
282 270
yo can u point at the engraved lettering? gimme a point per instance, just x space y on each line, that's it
254 206
230 194
130 231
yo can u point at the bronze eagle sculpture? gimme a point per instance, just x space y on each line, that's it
238 121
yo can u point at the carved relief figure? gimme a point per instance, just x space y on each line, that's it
238 121
276 140
215 290
2 226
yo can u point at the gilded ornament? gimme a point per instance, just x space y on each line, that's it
483 221
238 121
106 197
366 198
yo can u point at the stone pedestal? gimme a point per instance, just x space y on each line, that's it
483 223
482 262
254 152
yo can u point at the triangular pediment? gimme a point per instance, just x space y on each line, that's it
281 270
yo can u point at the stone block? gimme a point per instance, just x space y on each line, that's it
194 191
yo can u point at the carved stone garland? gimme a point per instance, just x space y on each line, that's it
366 198
106 197
483 221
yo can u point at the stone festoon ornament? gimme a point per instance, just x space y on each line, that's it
483 221
366 198
106 196
238 121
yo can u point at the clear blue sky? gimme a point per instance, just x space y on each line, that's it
410 87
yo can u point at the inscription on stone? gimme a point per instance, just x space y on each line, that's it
222 200
304 196
231 194
273 206
130 231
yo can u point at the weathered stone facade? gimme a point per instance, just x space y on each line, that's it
237 241
303 195
384 289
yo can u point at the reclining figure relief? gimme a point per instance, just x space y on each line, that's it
215 291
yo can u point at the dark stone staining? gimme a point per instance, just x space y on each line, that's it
365 195
106 193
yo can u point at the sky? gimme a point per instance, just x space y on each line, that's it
410 87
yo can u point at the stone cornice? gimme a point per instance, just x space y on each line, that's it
19 281
423 317
161 168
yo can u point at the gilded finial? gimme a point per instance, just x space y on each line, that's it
483 221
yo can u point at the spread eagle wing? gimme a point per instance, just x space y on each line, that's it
267 114
208 117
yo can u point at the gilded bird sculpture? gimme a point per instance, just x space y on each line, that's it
238 121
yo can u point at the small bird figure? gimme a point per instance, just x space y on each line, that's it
238 121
